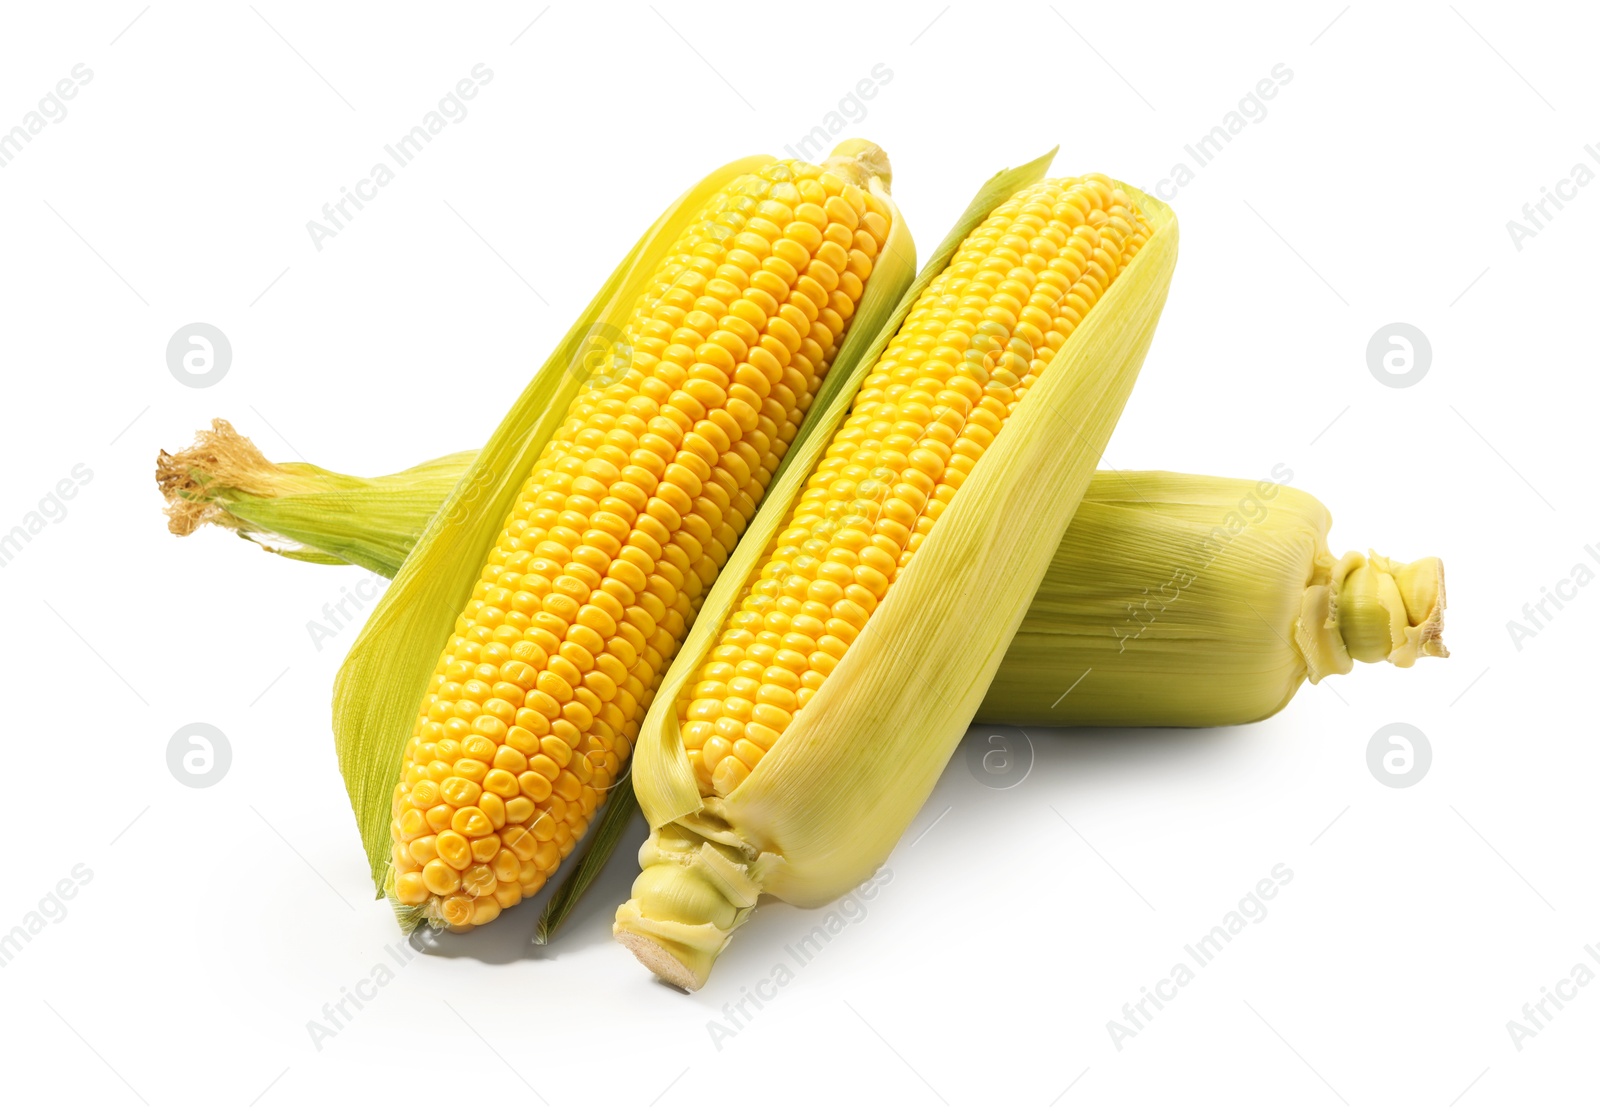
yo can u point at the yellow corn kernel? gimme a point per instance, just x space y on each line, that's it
440 878
423 850
485 850
457 911
410 888
453 849
479 880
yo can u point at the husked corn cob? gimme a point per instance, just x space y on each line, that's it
794 740
974 344
621 480
628 515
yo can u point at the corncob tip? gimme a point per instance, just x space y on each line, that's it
1372 609
220 457
859 161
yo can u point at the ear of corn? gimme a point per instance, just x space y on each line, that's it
388 669
922 420
820 807
1173 600
571 555
1180 600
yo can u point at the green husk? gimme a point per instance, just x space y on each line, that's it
1192 601
621 806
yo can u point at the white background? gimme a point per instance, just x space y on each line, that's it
1376 189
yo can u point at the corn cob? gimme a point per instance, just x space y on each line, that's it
627 517
1173 600
787 753
922 420
1179 600
636 483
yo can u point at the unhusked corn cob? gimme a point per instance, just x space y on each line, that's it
892 572
1173 600
1193 601
974 344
